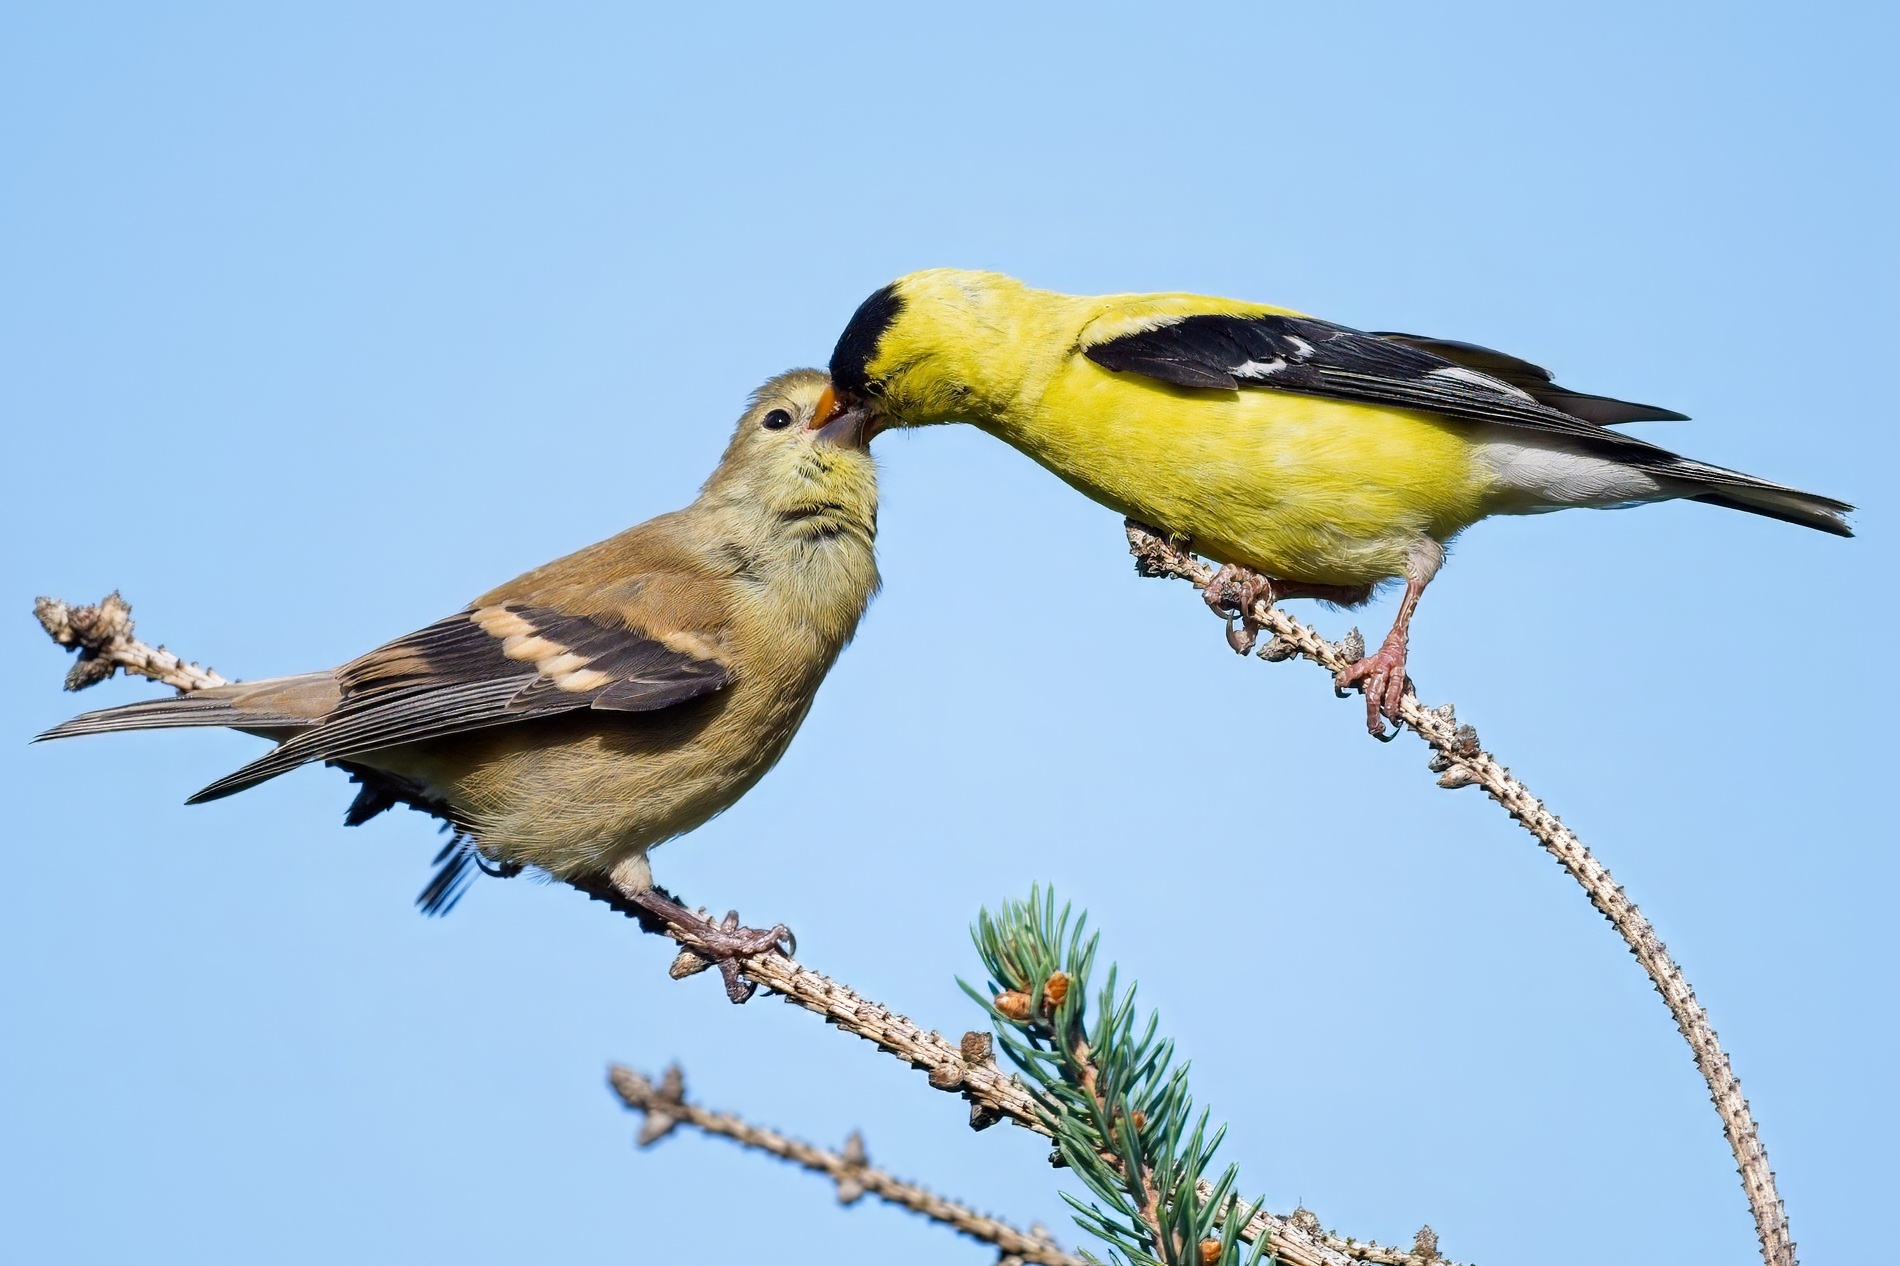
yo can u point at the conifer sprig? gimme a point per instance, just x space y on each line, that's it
1110 1091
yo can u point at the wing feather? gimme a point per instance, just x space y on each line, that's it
1221 351
486 667
1536 381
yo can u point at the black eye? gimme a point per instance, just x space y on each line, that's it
777 420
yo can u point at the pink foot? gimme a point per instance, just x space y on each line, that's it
1233 594
1385 683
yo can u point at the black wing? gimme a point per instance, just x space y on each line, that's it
1312 357
1317 358
1535 380
491 666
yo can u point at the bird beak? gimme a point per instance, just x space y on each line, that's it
843 421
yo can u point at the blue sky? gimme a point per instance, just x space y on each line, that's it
317 323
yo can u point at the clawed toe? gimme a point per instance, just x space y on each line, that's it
1384 682
1237 593
1233 594
726 942
722 944
730 940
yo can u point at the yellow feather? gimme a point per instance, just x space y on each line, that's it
1291 486
1294 486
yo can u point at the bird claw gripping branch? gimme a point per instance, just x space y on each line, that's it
723 944
1232 595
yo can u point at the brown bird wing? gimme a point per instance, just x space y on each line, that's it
493 665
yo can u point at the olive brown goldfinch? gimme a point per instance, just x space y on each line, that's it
576 716
1310 459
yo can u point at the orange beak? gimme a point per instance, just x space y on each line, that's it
827 409
837 415
839 422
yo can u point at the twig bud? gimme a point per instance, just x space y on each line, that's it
672 1087
1210 1252
1279 648
1013 1003
1055 989
850 1182
656 1127
670 1093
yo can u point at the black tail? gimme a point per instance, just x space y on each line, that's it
1823 514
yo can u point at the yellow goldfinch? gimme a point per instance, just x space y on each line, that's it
1310 459
582 713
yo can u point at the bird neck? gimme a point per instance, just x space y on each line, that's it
807 571
825 581
976 357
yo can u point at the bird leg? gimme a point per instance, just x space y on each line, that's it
1383 671
1235 591
724 942
630 890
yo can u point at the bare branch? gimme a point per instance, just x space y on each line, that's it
969 1068
102 635
1461 762
666 1109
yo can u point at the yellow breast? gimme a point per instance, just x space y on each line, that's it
1294 486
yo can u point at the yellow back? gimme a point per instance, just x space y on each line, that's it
1295 486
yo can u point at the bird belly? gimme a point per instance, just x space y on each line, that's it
1294 486
576 795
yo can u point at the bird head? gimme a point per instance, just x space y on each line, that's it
800 457
935 346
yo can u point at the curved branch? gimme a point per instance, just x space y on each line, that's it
103 636
1461 762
